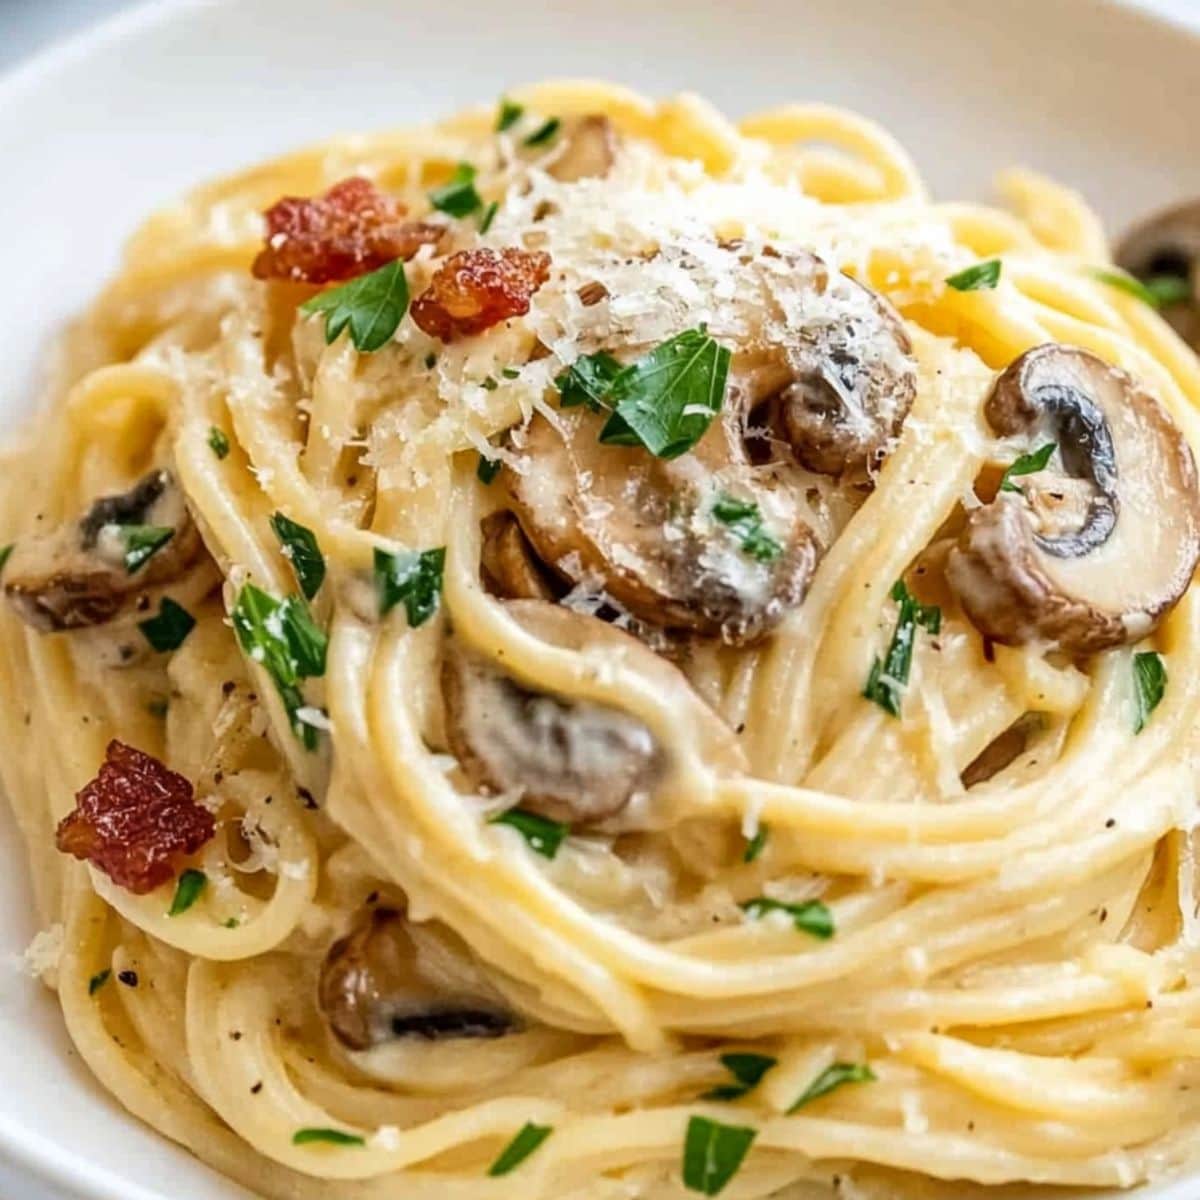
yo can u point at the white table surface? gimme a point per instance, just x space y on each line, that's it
27 26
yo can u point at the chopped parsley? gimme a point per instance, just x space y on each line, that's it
458 196
231 923
488 469
1160 291
300 548
508 115
489 384
187 891
510 373
520 1148
332 1137
833 1077
5 552
98 980
282 637
544 132
489 215
981 277
543 835
588 380
1027 464
167 630
218 443
747 1069
745 523
412 576
889 675
809 916
712 1154
1149 684
142 543
754 847
371 307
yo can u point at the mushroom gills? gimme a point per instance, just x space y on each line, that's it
383 982
77 575
507 564
1095 548
1165 248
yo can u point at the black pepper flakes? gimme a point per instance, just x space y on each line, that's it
128 978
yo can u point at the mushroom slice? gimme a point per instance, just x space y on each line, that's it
381 983
1003 750
82 573
851 376
572 761
1094 549
1167 247
507 563
587 149
644 529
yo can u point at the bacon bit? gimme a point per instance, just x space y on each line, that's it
135 821
350 230
476 289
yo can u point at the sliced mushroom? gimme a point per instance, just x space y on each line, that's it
1003 750
1167 247
586 149
377 985
507 563
1093 550
78 575
570 760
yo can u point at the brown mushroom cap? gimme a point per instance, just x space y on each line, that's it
507 563
76 576
375 986
573 761
1097 547
1167 246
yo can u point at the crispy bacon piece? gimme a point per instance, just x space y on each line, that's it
476 289
135 821
350 230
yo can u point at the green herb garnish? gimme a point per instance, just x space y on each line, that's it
158 707
218 442
5 552
508 115
231 923
142 542
747 1069
981 277
1160 291
458 196
489 215
754 847
98 980
588 380
300 548
371 307
543 835
544 132
187 891
745 523
809 916
712 1154
167 630
520 1148
510 373
1027 464
333 1137
1149 684
488 469
833 1077
412 576
889 675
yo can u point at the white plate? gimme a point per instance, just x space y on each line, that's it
107 127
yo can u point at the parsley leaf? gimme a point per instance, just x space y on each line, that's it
754 847
809 916
488 469
142 542
520 1148
543 835
544 132
712 1154
371 306
218 442
666 400
98 980
458 196
745 523
167 630
1160 291
1149 684
187 891
1027 464
302 551
588 380
508 115
833 1077
747 1069
5 551
890 674
981 277
412 576
334 1137
489 215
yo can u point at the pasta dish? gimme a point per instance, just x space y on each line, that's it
592 651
